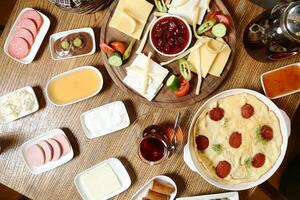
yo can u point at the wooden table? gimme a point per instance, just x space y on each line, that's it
58 183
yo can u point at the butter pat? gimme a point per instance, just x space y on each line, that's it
100 181
131 16
105 119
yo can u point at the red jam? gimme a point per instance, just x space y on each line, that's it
170 35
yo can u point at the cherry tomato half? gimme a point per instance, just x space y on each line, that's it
212 15
106 49
223 19
184 87
118 46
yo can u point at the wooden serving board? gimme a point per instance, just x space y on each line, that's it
165 97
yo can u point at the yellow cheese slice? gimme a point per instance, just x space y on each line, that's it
209 52
137 10
221 60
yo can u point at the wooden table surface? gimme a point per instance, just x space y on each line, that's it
58 183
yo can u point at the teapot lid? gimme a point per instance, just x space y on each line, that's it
291 19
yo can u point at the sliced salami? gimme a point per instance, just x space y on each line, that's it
47 149
29 24
202 142
247 111
258 160
216 114
18 48
57 149
223 169
35 155
33 15
64 142
235 139
266 132
25 34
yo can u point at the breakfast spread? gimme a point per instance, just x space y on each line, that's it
282 81
26 31
237 138
74 85
46 151
17 104
105 119
73 44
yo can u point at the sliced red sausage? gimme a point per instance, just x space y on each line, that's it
216 114
57 149
25 34
258 160
223 169
266 132
35 155
247 111
235 139
202 142
64 142
29 25
33 15
18 48
47 149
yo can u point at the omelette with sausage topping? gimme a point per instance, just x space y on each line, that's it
237 138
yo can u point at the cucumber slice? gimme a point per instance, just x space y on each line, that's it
219 30
206 26
115 59
173 82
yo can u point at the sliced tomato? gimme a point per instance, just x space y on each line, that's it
223 19
106 49
118 46
212 15
184 87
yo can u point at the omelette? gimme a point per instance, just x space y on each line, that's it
237 138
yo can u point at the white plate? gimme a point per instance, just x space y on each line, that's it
56 36
118 169
34 109
37 41
119 107
143 191
52 164
229 195
263 86
69 72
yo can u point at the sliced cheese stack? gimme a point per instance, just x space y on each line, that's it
213 56
131 16
136 76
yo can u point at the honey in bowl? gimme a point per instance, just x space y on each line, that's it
74 86
282 82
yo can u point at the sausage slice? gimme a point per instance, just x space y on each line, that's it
202 142
235 139
223 169
216 114
247 111
258 160
266 132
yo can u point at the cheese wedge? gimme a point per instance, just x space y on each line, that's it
221 60
131 16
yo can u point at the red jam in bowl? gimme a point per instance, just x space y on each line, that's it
170 35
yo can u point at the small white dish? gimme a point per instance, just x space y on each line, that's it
116 110
268 72
118 169
143 191
187 45
52 164
38 39
35 106
69 72
229 195
59 35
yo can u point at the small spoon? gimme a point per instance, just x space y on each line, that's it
172 146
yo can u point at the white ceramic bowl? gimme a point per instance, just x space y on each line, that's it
190 157
189 30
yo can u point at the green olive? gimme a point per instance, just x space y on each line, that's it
77 42
65 45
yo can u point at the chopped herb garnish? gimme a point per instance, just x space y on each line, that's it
225 124
217 148
259 138
248 162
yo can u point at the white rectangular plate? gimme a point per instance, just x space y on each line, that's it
52 164
143 191
121 110
56 36
34 109
118 169
229 195
37 42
